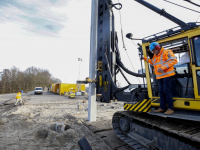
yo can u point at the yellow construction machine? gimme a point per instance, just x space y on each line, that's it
71 93
138 126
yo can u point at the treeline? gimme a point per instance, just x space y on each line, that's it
12 80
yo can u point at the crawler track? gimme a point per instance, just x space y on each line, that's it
154 132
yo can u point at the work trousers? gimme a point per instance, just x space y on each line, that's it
17 100
165 94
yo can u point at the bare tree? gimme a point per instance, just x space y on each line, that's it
5 81
14 80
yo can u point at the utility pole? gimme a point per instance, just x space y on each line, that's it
79 59
1 73
92 105
78 85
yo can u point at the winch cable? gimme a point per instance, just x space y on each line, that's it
198 18
124 43
182 6
121 29
141 65
192 3
124 76
133 43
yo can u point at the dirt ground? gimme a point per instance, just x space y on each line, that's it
32 125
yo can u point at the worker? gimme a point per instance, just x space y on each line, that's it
163 62
71 91
18 97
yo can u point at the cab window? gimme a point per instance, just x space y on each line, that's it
183 59
196 42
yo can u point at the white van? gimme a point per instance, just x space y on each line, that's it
38 90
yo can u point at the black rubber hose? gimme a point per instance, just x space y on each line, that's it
124 76
110 75
120 6
128 71
116 46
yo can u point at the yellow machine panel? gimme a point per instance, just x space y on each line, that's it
143 106
56 88
66 87
52 87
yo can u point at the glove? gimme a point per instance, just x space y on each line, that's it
160 70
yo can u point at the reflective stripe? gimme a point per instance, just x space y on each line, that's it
162 58
147 59
154 60
166 65
18 96
158 60
171 58
161 62
165 73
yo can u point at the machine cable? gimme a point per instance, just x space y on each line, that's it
114 5
192 2
117 51
182 6
116 45
140 61
121 30
132 65
198 18
128 71
112 82
124 43
124 76
110 75
133 43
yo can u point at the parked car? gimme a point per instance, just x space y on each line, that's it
38 90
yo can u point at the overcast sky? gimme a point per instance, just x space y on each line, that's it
53 34
48 34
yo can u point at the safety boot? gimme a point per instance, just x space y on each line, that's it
159 110
169 112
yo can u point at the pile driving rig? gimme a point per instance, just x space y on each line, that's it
138 126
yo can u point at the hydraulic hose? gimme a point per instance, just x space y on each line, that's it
124 76
128 71
112 82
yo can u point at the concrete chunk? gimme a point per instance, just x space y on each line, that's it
60 126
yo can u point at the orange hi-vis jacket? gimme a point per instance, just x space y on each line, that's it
18 96
164 60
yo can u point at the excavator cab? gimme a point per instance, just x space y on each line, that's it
184 86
